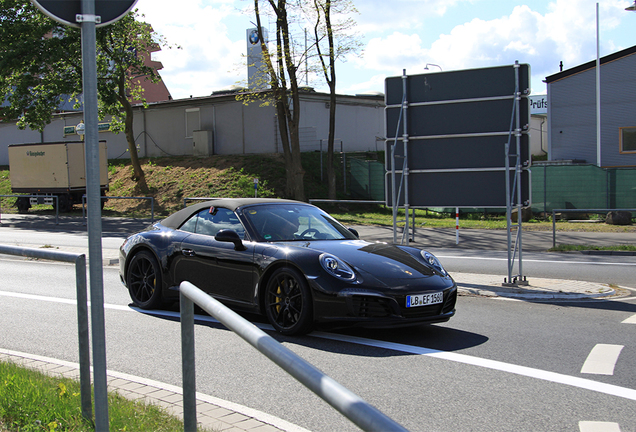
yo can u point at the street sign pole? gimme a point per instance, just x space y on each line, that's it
88 19
87 15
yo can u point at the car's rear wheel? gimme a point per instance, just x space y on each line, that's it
288 303
144 280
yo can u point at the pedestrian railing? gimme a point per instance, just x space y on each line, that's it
55 197
596 211
82 314
360 412
104 198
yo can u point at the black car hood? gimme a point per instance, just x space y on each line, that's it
385 262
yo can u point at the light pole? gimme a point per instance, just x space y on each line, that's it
431 64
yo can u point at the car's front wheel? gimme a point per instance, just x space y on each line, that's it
288 303
144 280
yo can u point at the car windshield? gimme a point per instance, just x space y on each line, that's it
288 222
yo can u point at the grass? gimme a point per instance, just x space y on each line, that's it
171 179
31 401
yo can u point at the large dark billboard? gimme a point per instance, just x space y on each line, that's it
458 125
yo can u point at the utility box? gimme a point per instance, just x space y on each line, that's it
55 168
202 143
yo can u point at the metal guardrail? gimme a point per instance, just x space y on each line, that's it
104 198
82 317
598 211
57 203
360 412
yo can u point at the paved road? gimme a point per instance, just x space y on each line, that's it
497 366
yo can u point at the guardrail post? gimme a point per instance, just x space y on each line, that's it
187 364
82 313
83 337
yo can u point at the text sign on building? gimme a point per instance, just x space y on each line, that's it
458 126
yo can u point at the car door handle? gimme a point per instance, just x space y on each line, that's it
188 252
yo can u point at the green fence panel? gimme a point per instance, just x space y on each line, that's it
583 187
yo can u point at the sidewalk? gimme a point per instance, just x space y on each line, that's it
212 414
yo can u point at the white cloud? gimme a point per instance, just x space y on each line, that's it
565 32
209 58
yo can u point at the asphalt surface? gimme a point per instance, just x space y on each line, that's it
221 415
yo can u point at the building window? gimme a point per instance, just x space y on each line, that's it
627 139
192 120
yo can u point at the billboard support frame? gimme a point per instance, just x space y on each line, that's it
506 94
519 278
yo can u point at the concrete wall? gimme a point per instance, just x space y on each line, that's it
165 129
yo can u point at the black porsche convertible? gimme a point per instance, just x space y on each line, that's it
289 261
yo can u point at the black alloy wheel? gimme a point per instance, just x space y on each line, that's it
288 302
144 281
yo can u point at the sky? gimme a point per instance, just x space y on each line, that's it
395 35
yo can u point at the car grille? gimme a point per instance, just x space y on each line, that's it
369 306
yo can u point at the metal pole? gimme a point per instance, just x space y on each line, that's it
360 412
405 169
89 80
508 211
518 170
598 93
83 337
456 225
187 365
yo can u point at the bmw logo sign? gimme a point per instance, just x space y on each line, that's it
254 37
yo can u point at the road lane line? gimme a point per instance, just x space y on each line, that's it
630 320
525 260
593 426
554 377
602 359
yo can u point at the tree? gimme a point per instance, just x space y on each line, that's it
41 68
283 80
333 41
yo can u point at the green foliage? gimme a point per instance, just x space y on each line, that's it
238 184
31 401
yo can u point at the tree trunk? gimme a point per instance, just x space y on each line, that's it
138 173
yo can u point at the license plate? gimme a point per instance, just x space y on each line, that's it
424 299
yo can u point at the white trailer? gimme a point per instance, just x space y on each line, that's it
54 168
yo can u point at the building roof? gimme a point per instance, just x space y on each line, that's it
591 65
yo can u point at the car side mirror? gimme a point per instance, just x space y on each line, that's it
354 232
230 236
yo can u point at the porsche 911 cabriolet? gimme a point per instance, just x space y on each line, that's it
289 261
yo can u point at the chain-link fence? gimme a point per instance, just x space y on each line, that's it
582 187
553 186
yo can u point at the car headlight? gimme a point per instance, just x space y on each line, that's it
433 261
336 267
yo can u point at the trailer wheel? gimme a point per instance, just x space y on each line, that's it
65 203
23 204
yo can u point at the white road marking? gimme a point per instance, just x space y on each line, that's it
535 260
630 320
593 426
602 359
577 382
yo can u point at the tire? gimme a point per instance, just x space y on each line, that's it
65 203
23 204
144 281
288 303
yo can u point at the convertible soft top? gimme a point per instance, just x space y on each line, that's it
175 220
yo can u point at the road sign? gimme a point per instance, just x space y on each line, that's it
66 11
458 125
